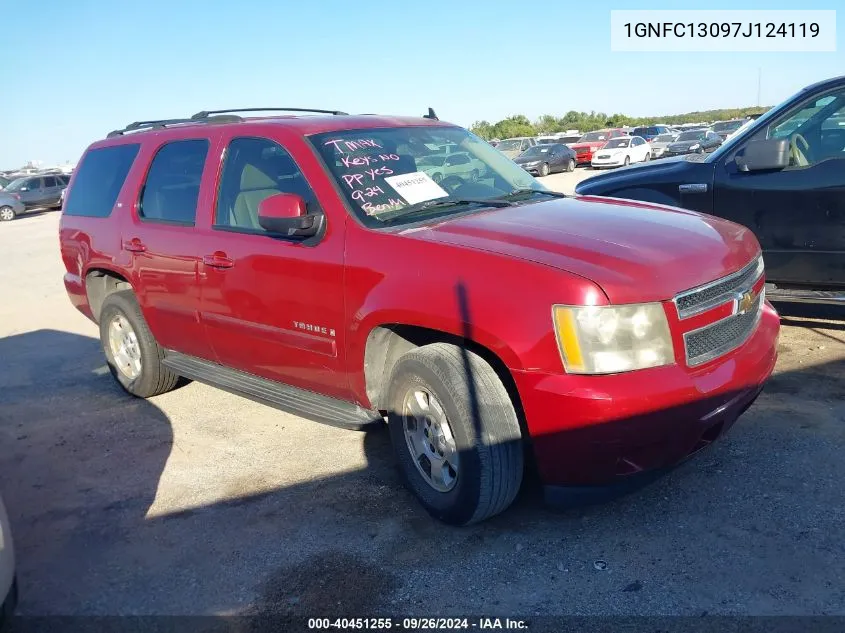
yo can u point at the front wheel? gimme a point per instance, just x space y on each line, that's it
455 433
544 169
7 214
437 177
647 157
133 356
627 161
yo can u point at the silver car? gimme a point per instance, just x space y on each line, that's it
660 142
8 582
10 207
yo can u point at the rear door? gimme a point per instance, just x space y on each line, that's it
797 213
52 190
32 193
160 241
271 306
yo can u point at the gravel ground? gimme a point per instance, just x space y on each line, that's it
200 502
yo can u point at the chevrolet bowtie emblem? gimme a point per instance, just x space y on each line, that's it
745 301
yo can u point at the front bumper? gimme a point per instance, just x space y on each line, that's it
608 162
602 430
533 169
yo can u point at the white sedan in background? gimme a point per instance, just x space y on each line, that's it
621 151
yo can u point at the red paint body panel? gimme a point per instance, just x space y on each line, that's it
302 314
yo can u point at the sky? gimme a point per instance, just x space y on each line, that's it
83 68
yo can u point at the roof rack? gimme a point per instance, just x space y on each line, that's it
204 114
145 125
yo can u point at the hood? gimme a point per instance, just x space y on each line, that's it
671 169
521 160
683 145
511 153
636 252
612 150
591 145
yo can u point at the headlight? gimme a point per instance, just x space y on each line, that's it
531 163
610 339
696 146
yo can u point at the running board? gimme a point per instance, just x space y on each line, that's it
828 297
306 404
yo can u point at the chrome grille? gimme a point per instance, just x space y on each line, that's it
711 341
703 298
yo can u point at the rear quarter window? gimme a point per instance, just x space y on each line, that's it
98 180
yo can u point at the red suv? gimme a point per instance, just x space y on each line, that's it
312 263
591 142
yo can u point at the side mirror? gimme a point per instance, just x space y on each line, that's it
764 155
285 213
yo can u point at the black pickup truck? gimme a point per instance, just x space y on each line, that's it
782 175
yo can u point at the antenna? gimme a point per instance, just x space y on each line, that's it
431 115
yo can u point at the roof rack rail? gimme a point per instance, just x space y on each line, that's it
204 114
144 125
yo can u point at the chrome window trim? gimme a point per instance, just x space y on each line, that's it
723 298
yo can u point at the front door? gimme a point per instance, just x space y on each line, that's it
797 213
271 306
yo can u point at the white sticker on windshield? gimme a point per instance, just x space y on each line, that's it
416 187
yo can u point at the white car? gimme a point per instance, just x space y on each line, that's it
461 164
8 584
621 151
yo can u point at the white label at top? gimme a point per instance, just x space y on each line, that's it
709 30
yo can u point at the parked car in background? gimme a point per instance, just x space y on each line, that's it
8 577
660 143
513 147
38 192
440 166
308 253
783 177
4 181
10 207
650 132
592 141
622 151
545 159
701 141
726 128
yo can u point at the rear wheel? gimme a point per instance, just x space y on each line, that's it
7 214
455 433
544 169
570 166
133 356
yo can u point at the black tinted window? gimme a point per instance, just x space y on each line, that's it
99 179
34 183
50 181
172 187
255 169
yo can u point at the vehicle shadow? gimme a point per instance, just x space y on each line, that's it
83 462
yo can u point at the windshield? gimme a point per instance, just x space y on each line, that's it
665 138
726 126
383 170
644 131
509 145
17 184
617 142
537 150
594 136
696 135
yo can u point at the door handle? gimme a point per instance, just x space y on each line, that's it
134 246
218 260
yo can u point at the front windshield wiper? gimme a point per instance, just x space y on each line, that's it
521 192
437 204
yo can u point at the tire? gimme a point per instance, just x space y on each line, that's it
544 169
153 378
627 161
438 178
7 214
647 157
570 166
489 464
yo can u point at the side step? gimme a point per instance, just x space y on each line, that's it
828 297
291 399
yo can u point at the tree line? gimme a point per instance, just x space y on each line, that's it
520 125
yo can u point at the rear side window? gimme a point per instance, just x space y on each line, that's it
172 187
50 181
99 179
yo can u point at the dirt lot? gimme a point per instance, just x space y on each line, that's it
202 502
